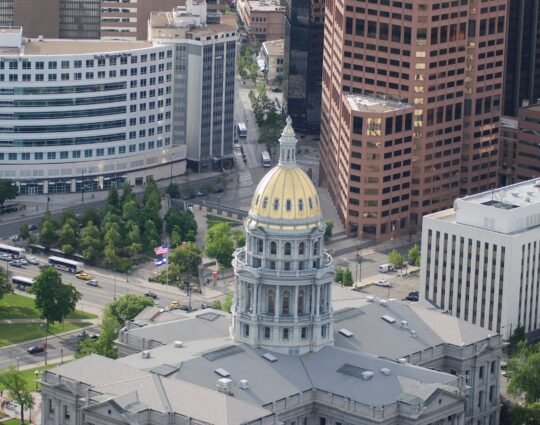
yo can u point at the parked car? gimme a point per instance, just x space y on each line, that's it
276 90
383 283
15 238
83 276
174 304
15 263
184 307
201 193
411 298
188 196
151 294
33 227
383 268
415 293
92 282
33 260
23 261
35 349
218 190
5 257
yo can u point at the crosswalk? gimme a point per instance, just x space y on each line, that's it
245 179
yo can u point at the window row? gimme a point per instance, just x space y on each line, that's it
77 76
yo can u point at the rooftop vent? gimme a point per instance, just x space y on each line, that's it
178 344
346 332
40 38
383 303
370 298
385 371
367 375
402 360
243 384
222 372
224 385
413 334
404 324
388 319
271 358
145 354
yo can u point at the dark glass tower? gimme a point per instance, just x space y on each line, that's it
304 34
522 76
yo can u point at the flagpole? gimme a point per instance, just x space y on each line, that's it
167 265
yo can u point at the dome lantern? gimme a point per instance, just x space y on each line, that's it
287 146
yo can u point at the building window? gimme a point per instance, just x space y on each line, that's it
51 406
288 204
260 246
301 205
266 332
286 302
67 412
246 330
76 154
276 204
287 248
273 248
271 301
300 308
316 248
303 333
51 155
286 334
38 156
301 248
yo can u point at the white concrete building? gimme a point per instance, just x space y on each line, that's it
79 115
205 49
481 259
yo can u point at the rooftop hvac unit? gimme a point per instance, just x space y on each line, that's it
346 332
178 344
243 384
404 324
385 371
367 375
388 319
370 298
270 357
413 334
224 385
222 372
403 360
383 303
145 354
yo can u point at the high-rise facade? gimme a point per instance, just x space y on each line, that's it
71 19
446 61
205 46
304 29
522 73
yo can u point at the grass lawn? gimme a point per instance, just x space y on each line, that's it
17 422
30 377
19 332
14 306
215 219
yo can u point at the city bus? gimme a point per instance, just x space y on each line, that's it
15 252
22 282
265 159
242 130
66 265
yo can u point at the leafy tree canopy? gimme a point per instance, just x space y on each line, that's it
8 190
219 244
15 384
524 370
128 306
414 255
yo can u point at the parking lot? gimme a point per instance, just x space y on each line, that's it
399 288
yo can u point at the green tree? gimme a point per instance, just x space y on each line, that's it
8 190
396 259
173 191
90 214
151 236
227 304
414 255
5 286
110 256
239 238
338 277
15 384
47 233
347 278
104 344
183 223
113 201
133 238
69 217
90 242
131 211
515 339
526 415
328 230
127 193
185 258
128 306
24 232
524 371
68 238
219 244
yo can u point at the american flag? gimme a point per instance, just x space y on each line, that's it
163 249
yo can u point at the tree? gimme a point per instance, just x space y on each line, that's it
151 236
133 238
347 278
47 233
24 232
8 190
396 259
15 384
219 244
68 238
70 218
414 255
127 193
104 344
328 230
128 306
239 238
90 241
524 371
338 278
131 211
5 286
184 258
173 191
54 299
90 215
515 339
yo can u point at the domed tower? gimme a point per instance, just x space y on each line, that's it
283 289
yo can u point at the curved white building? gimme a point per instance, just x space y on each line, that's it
85 115
283 293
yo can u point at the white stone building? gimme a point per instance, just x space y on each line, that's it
84 115
480 259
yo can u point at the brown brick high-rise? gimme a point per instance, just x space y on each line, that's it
444 59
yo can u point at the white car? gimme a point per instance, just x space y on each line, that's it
383 283
5 257
92 282
33 260
23 261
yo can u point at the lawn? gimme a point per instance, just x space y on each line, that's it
16 422
14 306
19 332
211 220
30 377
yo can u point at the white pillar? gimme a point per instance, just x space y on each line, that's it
318 301
277 303
254 289
295 302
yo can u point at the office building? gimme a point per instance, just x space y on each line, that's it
71 19
446 60
480 258
205 46
271 59
84 115
508 141
263 20
283 359
522 71
304 30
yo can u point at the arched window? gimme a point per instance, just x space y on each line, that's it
286 302
316 248
301 248
265 202
273 248
287 248
260 246
301 205
270 308
300 302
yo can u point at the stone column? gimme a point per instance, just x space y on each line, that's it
313 300
318 301
295 303
254 289
235 297
277 304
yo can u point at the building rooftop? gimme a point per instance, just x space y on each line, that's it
264 5
362 103
509 122
518 195
274 47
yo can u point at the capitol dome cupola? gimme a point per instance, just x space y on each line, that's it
283 287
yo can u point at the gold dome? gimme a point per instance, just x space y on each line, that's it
286 192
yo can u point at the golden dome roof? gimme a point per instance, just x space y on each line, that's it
286 192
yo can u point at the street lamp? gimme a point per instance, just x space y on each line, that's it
61 356
18 362
36 372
